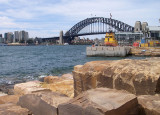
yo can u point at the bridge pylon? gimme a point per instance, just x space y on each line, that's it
61 38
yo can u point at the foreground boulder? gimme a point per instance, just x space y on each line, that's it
62 84
54 79
150 104
101 101
51 79
42 103
28 87
12 109
140 77
2 94
9 99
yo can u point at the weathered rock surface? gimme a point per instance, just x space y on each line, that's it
42 103
101 101
9 99
150 104
145 51
135 76
12 109
54 79
62 84
51 79
67 76
28 87
2 94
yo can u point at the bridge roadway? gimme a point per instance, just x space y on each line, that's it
127 34
65 37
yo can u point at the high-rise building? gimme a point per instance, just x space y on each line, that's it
1 39
24 35
20 35
8 37
16 36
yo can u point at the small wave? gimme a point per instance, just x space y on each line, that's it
6 81
42 76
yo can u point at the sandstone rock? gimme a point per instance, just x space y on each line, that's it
28 87
64 87
150 104
101 101
2 94
136 76
62 84
9 99
42 103
54 79
12 109
67 76
51 79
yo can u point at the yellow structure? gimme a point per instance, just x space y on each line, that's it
145 45
153 43
110 39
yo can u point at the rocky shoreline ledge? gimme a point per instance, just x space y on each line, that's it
123 87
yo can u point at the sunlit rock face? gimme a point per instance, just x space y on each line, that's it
140 77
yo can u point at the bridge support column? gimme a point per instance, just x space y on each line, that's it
61 38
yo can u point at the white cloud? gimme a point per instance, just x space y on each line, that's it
20 14
4 1
7 22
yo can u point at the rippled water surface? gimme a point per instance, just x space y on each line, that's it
30 62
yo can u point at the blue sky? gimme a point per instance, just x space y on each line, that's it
45 18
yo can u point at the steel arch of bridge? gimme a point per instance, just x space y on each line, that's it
116 24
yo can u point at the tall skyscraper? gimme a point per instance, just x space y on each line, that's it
1 39
20 35
24 35
8 37
16 36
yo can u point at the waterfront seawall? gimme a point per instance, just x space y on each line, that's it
119 51
122 51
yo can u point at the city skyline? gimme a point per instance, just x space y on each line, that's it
14 37
46 18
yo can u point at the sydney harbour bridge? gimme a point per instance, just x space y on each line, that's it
94 26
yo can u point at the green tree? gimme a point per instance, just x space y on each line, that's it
30 41
21 41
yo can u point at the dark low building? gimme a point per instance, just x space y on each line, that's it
153 32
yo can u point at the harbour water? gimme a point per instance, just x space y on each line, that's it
22 63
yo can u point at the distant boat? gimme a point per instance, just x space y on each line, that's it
66 44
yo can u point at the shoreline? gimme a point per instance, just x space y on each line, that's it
124 86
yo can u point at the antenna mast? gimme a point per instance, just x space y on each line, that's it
110 30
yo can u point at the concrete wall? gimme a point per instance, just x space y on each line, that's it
119 51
